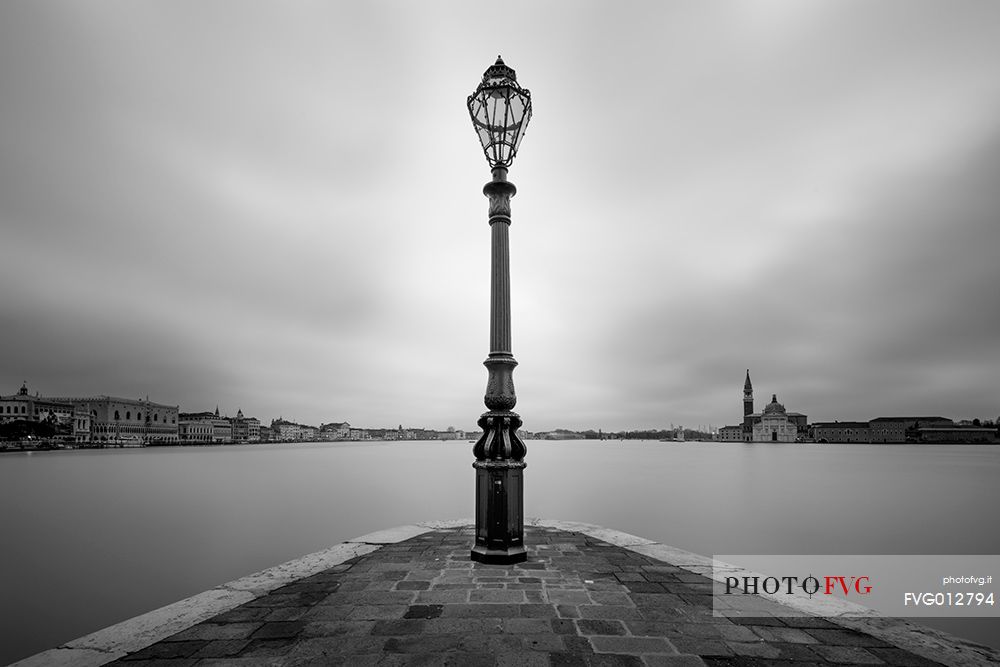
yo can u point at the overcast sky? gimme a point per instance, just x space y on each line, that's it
278 207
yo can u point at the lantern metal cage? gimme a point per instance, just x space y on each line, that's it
500 110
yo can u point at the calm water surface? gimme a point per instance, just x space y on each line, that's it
91 538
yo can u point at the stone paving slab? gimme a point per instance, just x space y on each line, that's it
411 596
578 600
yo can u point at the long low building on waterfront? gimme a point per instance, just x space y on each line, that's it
896 429
889 430
842 432
957 433
116 420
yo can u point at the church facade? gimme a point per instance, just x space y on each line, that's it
774 424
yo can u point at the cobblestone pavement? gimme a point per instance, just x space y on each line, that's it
576 601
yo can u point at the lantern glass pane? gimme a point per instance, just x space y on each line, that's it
484 136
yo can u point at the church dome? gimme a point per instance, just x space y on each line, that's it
774 407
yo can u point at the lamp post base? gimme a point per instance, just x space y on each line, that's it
499 499
499 556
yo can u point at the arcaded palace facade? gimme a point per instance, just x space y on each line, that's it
127 420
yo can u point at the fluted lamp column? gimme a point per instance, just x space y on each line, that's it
500 110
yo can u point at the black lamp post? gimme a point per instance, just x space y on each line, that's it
500 111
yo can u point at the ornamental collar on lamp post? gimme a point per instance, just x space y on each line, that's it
500 110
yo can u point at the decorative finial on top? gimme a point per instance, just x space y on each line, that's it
499 70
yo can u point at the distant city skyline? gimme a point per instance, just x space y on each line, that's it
711 427
286 209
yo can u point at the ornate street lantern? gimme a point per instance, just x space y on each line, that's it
500 110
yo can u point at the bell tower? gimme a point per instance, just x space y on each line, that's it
748 409
747 397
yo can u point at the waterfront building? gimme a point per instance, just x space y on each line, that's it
286 431
253 429
801 422
194 429
81 425
17 406
902 429
24 406
558 434
841 432
774 424
239 427
731 433
895 429
245 429
781 425
72 423
123 421
335 431
956 433
401 434
222 428
207 427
